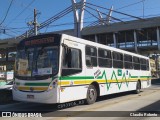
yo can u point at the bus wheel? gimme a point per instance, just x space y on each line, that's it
91 94
138 87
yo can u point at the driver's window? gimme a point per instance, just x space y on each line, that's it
72 62
72 58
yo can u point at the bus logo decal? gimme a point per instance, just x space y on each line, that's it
96 74
119 72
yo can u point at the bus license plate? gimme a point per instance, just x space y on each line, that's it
30 96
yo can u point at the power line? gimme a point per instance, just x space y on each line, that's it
21 12
49 26
104 14
16 28
115 11
50 20
57 25
7 12
130 5
22 4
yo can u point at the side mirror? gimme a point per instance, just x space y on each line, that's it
67 55
40 52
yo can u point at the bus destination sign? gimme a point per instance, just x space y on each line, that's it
39 41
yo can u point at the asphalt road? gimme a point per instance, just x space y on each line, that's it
117 106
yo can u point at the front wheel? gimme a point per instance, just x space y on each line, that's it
91 94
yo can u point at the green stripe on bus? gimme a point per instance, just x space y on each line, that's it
145 76
17 83
76 78
134 76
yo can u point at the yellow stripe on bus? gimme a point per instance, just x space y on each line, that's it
33 88
81 82
63 82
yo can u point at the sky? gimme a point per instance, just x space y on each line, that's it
21 12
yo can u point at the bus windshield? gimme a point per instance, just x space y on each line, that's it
37 61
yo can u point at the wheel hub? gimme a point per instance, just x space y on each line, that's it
91 94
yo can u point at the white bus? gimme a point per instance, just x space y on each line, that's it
54 68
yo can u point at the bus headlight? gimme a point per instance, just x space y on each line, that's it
52 85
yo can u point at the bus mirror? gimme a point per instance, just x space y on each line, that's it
64 45
65 49
68 57
40 52
25 50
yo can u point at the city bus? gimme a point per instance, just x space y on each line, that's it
58 68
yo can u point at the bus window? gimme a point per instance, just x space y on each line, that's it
128 62
136 63
117 60
91 56
104 58
72 62
143 64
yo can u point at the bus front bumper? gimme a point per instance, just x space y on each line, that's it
48 97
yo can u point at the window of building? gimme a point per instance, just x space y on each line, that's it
91 56
104 58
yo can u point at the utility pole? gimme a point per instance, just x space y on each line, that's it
35 22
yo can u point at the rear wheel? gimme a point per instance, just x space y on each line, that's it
91 94
138 88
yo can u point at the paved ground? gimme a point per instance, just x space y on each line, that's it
116 105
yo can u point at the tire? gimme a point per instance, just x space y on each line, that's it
91 95
138 88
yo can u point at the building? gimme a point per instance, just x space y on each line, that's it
153 67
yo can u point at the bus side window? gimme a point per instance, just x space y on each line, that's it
117 60
143 64
91 56
104 58
72 62
128 61
136 63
